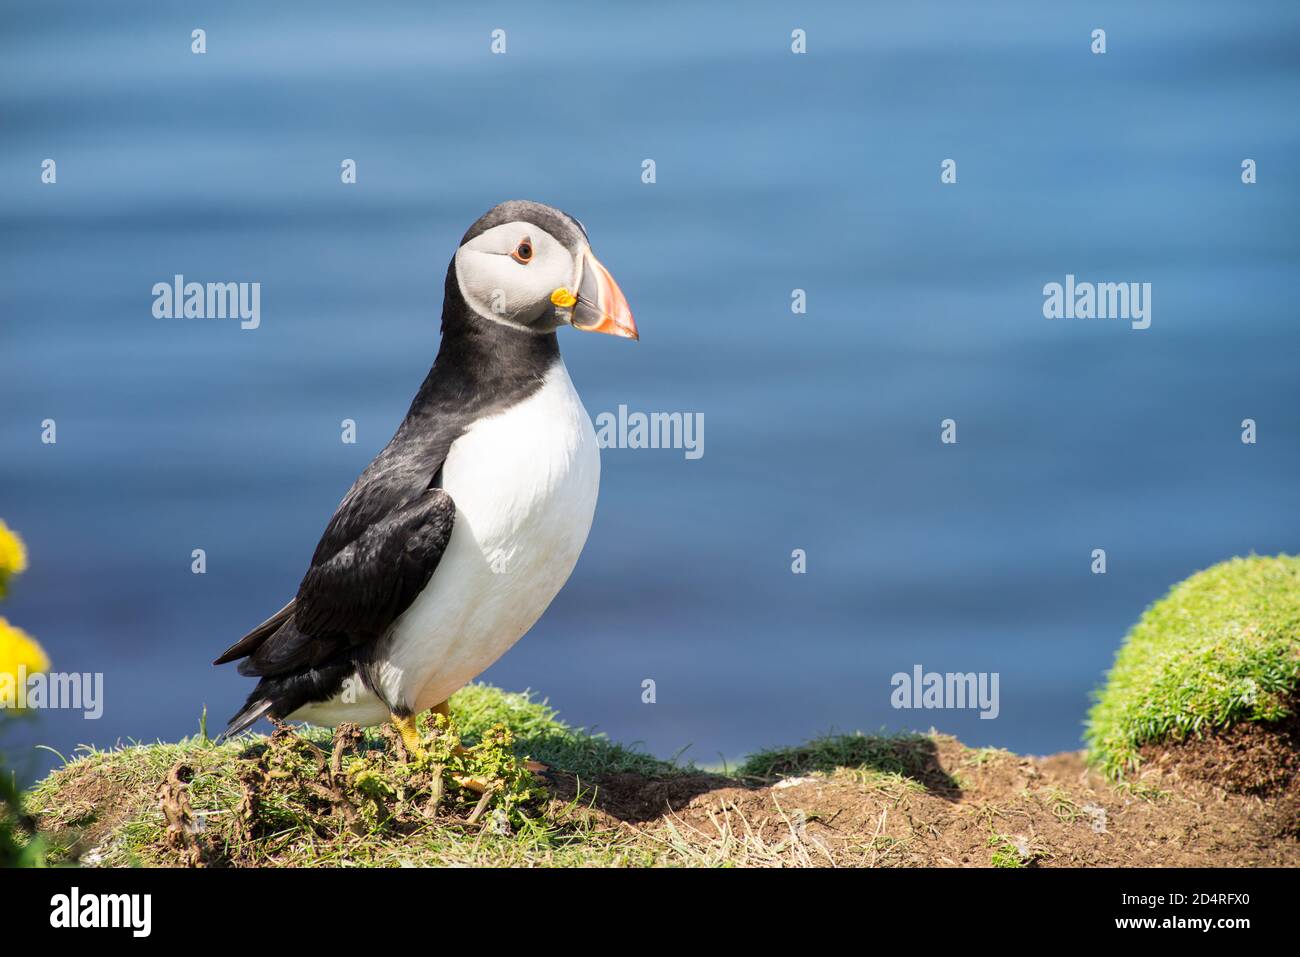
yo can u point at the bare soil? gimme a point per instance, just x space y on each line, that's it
1225 800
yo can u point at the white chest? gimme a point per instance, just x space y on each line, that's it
526 478
525 483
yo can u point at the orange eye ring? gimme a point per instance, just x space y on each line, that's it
523 253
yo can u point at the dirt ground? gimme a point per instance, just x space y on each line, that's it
1229 801
1232 799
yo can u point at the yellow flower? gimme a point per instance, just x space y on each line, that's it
18 649
13 556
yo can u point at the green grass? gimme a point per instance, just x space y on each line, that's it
541 735
388 818
1220 648
905 758
1012 853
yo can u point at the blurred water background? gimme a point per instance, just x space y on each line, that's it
775 171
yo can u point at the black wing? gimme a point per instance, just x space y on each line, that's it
343 603
351 598
379 550
351 592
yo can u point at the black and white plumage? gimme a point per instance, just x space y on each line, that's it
455 539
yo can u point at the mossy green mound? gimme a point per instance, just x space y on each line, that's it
1221 648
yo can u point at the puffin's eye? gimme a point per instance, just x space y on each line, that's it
523 252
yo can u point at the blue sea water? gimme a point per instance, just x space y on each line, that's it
775 171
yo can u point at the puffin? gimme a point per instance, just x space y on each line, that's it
453 541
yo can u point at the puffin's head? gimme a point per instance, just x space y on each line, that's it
527 265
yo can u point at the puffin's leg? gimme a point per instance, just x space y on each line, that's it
410 732
475 784
445 710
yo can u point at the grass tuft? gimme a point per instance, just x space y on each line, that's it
889 757
1222 647
540 734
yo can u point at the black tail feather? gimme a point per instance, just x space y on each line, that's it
282 695
255 708
254 639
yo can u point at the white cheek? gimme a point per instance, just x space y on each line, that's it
499 286
490 284
553 271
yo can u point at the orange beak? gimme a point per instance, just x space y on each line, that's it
601 306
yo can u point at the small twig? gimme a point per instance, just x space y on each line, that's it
479 808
